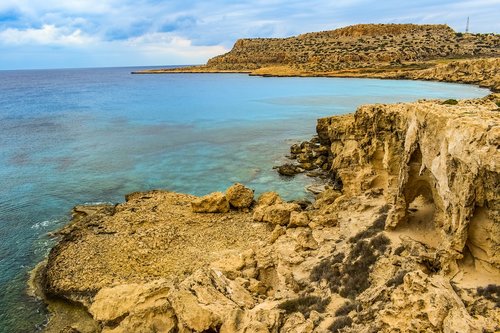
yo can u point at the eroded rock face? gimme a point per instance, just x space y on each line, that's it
355 46
446 155
483 72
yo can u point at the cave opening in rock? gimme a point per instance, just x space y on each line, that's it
421 213
480 265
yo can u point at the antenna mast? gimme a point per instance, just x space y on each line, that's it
467 26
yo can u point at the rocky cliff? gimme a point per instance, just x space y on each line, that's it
398 51
407 240
483 72
359 46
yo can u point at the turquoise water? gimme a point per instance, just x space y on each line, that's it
92 135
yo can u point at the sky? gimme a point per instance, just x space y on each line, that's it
106 33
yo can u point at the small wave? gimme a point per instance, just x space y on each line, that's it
97 203
44 224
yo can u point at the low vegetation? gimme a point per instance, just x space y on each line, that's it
359 46
305 304
450 102
491 292
340 323
349 276
346 308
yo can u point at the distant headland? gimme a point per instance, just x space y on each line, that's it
406 51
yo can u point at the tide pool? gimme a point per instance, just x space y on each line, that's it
77 136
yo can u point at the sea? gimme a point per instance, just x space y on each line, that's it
83 136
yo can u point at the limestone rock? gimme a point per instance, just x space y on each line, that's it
306 240
239 196
202 301
289 170
261 319
271 208
136 307
298 219
212 203
279 213
296 323
269 198
448 162
428 303
277 232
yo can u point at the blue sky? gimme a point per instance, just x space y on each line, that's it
97 33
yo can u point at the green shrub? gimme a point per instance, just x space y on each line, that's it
339 323
305 305
450 102
497 103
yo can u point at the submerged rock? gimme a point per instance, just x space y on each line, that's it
289 170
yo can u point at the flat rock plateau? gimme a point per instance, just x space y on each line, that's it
403 237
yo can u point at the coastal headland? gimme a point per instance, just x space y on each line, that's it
404 235
392 51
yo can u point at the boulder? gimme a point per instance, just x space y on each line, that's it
269 198
295 148
308 166
289 170
211 203
298 219
239 196
279 213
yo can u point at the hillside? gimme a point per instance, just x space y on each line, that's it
363 45
400 51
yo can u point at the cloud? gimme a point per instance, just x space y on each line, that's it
105 30
156 47
46 35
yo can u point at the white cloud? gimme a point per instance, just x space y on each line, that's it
46 35
166 47
162 32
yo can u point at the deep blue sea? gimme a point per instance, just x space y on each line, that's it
77 136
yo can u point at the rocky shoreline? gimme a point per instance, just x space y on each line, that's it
405 238
482 72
